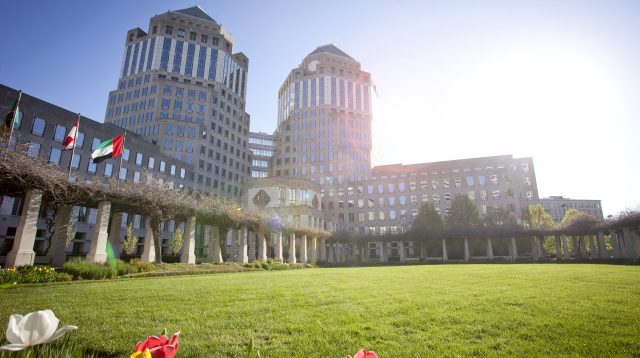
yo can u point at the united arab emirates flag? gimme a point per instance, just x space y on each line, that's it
108 149
13 117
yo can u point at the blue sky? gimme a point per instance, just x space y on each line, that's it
555 80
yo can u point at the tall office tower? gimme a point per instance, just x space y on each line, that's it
324 121
182 88
261 147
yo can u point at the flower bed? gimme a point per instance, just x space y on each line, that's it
31 274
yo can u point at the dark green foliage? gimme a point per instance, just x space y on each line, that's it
81 269
464 213
428 223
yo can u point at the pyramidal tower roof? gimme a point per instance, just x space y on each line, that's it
196 11
331 48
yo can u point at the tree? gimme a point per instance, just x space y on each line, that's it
463 213
539 218
428 221
176 243
499 217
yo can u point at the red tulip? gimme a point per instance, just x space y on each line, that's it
364 354
160 347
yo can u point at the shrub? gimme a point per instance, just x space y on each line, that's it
143 266
79 268
311 266
125 268
32 274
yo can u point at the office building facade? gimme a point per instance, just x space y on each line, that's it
183 88
262 147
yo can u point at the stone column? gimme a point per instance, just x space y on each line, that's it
467 255
423 250
383 251
214 243
303 249
489 249
235 240
615 243
558 247
22 252
331 253
629 244
534 248
98 251
115 234
314 250
189 241
278 253
292 248
323 249
514 249
582 239
602 246
149 251
445 257
565 247
57 252
262 247
243 256
402 251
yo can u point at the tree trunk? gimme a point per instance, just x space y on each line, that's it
157 242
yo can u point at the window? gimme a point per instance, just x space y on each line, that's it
168 30
91 168
60 133
125 154
75 162
152 163
54 155
136 176
38 126
139 159
423 185
469 181
95 143
108 169
447 197
34 149
79 140
162 166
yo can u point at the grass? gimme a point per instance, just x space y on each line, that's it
399 311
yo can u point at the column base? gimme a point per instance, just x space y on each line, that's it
20 258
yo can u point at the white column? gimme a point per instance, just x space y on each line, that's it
383 251
214 241
467 256
629 243
189 239
558 247
22 252
402 250
149 252
582 241
514 249
98 252
489 249
303 249
445 256
615 243
57 252
323 249
593 250
565 247
292 248
115 234
314 250
330 256
278 253
262 247
423 250
243 257
534 248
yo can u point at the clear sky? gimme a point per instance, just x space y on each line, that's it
555 80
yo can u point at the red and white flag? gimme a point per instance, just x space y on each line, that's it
70 141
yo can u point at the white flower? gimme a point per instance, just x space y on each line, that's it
32 329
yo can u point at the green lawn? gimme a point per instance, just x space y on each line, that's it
401 311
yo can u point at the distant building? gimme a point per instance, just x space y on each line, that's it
389 200
261 146
557 206
182 88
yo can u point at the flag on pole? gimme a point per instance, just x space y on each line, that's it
108 149
70 142
13 117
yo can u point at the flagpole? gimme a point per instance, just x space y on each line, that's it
13 120
73 149
124 139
